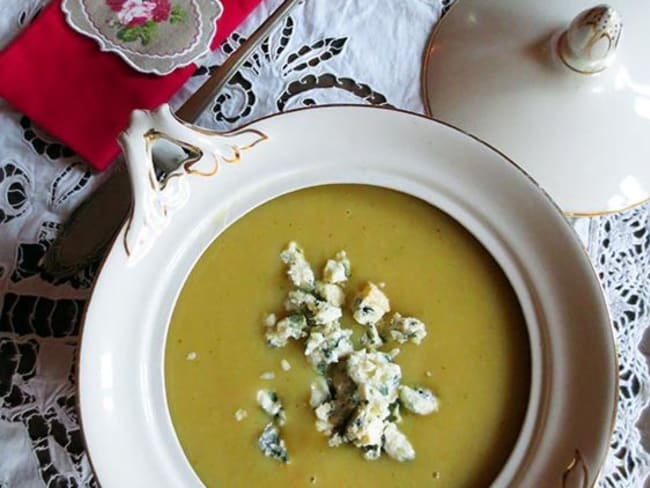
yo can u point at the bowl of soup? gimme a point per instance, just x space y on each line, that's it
343 296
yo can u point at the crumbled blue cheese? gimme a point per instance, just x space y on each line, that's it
291 327
285 365
269 402
326 345
396 444
377 378
299 270
240 414
370 305
418 400
323 313
372 339
318 312
271 444
270 320
337 440
366 429
299 301
331 293
358 396
337 270
375 374
319 392
323 413
403 329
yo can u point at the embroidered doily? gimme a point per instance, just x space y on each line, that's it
327 51
152 36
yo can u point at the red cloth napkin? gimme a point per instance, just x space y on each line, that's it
81 95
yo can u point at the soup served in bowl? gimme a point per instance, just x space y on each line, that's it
475 356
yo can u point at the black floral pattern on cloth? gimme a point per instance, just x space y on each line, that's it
27 315
446 5
16 17
50 424
14 192
28 14
42 143
69 181
41 181
16 359
237 101
29 264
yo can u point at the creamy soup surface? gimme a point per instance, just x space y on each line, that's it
475 356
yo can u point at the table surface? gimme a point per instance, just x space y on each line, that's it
327 51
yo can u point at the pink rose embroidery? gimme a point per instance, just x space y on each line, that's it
136 12
139 19
162 11
115 5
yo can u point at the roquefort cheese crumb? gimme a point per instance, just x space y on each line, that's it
337 270
403 329
191 356
370 305
371 338
271 444
241 414
331 293
337 440
320 392
418 400
269 402
323 313
270 320
299 270
293 326
375 373
318 312
298 301
285 365
267 375
365 430
323 413
326 345
396 444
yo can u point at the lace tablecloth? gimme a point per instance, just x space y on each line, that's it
327 51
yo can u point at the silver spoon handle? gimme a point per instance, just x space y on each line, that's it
91 227
169 156
198 102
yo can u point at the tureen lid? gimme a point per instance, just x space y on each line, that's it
560 86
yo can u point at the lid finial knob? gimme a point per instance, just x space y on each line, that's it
589 44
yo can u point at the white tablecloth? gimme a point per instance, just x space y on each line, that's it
328 51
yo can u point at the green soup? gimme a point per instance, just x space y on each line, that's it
475 357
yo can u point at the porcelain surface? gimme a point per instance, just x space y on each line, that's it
570 415
498 69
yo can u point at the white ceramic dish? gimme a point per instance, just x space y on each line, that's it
126 421
578 124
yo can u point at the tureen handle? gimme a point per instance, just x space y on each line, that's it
589 43
154 200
